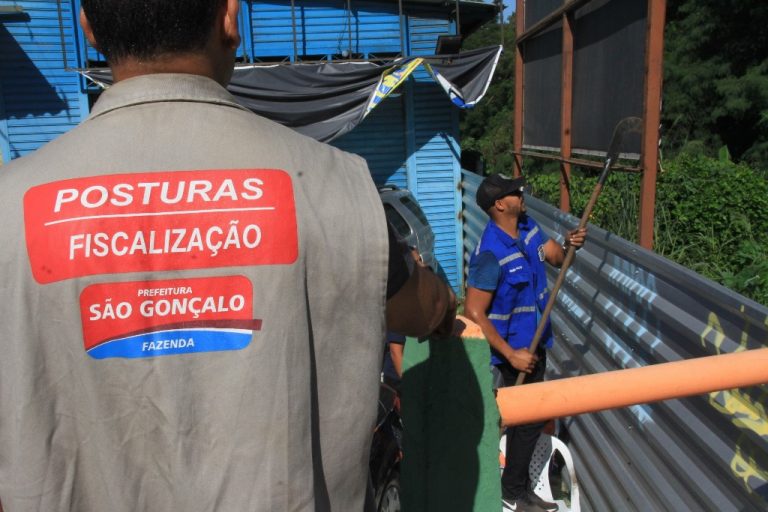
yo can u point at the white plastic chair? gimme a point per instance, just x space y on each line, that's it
539 470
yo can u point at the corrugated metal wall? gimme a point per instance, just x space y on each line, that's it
41 98
623 306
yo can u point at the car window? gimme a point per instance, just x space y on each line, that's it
398 222
414 208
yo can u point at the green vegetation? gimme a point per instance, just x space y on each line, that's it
712 189
710 216
488 127
716 79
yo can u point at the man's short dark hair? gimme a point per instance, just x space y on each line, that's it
145 29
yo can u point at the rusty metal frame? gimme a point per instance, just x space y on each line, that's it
651 106
654 70
581 162
566 112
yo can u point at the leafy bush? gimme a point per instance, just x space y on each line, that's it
711 214
617 209
487 128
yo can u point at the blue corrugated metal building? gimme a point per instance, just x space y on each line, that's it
411 140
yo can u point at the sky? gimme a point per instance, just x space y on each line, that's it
509 9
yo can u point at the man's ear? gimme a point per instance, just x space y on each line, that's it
87 30
230 31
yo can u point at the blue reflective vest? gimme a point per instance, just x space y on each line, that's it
521 292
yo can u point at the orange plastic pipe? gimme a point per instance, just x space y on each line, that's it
622 388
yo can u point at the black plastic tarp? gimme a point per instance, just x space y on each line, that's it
327 100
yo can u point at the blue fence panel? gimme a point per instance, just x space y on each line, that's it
623 306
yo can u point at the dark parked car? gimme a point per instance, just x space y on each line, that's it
409 221
411 225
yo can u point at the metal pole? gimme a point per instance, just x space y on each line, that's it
566 113
654 58
62 41
293 26
400 17
550 19
500 5
349 27
458 19
519 89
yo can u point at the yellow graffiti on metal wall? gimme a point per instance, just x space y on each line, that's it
749 461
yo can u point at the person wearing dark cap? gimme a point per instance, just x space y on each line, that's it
506 293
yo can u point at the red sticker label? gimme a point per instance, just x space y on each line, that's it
160 221
154 318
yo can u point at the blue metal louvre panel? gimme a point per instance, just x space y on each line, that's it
92 56
42 99
380 139
271 29
623 306
423 30
324 29
437 173
321 28
378 28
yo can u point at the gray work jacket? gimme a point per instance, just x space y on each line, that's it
191 311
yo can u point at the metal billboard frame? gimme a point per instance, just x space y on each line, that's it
649 157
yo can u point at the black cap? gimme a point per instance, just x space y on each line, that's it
495 187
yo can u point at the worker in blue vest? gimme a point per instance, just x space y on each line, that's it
506 293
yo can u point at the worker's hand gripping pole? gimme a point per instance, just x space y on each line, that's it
624 127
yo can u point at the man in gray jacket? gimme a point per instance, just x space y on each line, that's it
194 318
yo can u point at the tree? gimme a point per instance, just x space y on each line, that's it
716 78
488 127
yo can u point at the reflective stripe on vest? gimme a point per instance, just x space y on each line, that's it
509 258
531 234
522 283
521 309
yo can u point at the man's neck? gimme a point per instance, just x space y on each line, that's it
509 225
192 64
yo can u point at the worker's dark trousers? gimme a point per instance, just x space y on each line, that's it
521 439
